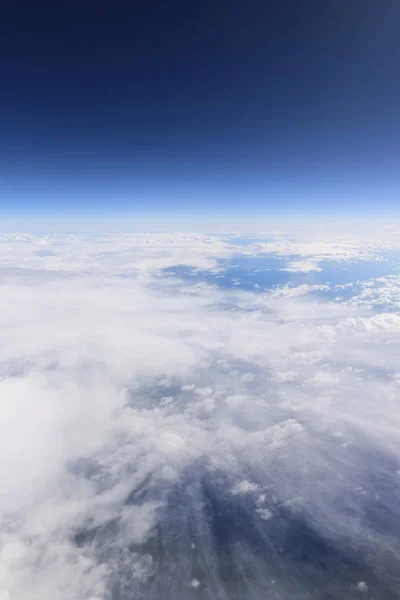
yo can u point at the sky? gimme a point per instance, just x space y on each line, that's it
198 110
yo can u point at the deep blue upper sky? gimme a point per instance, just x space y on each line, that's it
142 107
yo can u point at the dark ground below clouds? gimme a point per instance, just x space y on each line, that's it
211 544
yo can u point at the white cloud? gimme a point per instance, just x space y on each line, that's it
298 290
381 292
244 487
302 266
114 390
308 247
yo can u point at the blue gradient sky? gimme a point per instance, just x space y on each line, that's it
152 109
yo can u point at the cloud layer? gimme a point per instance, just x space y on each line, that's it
166 439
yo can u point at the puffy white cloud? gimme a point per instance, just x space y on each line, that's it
123 392
302 266
381 292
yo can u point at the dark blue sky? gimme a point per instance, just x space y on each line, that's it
180 107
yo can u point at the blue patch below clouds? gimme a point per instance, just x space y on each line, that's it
263 273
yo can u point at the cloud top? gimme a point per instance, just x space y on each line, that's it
137 407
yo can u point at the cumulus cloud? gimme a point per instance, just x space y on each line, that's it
155 433
381 292
302 266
